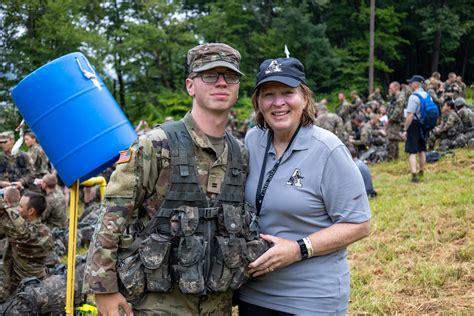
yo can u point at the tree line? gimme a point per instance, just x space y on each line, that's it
139 46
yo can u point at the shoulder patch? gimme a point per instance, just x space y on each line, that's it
125 156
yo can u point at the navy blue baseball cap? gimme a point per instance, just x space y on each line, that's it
417 78
289 71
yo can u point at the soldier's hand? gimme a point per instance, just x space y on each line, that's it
4 184
282 253
110 304
19 186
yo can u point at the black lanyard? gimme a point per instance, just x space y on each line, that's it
261 192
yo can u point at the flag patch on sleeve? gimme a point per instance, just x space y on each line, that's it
125 156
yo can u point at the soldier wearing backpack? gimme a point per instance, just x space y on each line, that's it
420 119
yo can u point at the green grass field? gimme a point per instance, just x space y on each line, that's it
419 258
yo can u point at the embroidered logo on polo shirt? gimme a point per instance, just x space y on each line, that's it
295 178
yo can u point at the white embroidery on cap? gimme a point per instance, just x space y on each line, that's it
273 67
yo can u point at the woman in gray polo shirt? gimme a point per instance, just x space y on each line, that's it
310 197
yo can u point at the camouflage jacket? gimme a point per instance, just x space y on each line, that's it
332 123
55 214
395 109
467 118
29 244
365 136
345 111
38 160
436 99
451 126
16 168
143 182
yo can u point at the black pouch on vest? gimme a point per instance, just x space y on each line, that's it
228 266
131 277
191 253
154 253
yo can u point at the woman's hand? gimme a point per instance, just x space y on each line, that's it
110 304
282 253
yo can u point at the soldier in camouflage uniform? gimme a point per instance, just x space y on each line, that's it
14 169
11 197
141 183
450 127
378 133
395 120
330 121
466 116
55 215
433 91
462 86
344 107
29 241
38 160
451 87
362 135
376 96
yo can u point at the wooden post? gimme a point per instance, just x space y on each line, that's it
371 46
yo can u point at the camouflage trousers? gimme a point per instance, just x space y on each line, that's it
176 303
393 149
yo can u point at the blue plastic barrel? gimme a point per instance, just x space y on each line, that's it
75 118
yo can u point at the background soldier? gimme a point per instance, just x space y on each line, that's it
466 116
14 169
177 255
29 241
395 120
451 87
449 129
330 121
343 108
39 162
362 135
55 215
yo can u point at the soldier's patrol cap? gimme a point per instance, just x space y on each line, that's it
289 71
459 102
4 136
210 55
416 78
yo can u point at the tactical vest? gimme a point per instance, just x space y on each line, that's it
202 246
12 172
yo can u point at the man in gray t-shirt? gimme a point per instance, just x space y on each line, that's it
412 132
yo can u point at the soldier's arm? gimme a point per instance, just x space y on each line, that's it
32 155
27 178
15 226
130 182
397 114
448 124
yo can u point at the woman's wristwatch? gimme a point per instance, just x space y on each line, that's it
306 248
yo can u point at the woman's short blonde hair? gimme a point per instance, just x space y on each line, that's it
307 117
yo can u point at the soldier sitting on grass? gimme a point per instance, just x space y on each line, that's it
29 240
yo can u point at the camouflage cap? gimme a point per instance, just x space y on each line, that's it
4 136
211 55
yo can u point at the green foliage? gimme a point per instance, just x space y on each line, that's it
139 47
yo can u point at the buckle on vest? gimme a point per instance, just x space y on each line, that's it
208 212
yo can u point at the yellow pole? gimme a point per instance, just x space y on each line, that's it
97 181
71 254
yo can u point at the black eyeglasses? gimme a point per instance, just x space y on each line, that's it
230 77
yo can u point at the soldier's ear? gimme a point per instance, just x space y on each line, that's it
190 86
